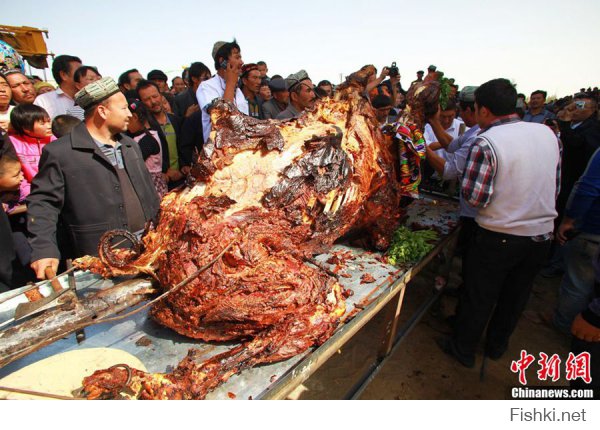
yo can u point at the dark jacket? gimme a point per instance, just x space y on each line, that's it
191 133
78 186
579 144
183 101
184 149
7 252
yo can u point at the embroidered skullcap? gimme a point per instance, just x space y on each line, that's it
295 78
96 92
247 68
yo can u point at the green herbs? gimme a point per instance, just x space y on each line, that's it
445 90
409 246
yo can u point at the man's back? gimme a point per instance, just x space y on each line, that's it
524 186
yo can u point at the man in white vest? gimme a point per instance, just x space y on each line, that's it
512 177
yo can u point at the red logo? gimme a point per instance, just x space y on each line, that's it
576 366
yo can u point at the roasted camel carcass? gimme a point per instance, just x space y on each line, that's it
273 194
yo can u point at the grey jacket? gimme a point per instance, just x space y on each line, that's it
290 112
271 109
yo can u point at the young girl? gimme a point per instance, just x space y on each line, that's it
31 131
150 142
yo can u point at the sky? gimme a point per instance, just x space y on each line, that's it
548 45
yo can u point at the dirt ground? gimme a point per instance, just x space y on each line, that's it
418 369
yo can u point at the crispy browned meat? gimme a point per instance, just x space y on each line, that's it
280 192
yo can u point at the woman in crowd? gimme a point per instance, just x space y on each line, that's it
149 139
5 107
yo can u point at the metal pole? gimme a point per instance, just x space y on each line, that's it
376 367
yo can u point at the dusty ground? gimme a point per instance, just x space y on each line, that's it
418 369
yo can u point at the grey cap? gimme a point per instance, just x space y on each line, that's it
278 84
432 68
296 78
467 94
96 92
218 45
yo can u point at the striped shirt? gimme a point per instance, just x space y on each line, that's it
113 153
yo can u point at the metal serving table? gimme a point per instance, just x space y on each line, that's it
161 349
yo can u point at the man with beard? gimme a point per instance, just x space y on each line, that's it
302 95
91 181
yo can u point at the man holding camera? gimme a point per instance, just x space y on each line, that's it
391 87
580 136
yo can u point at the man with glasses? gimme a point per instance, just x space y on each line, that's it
302 95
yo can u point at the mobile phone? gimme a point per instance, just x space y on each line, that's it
223 64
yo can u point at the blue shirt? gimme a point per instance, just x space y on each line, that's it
456 159
540 117
584 202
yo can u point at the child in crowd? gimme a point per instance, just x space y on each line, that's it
11 177
32 130
151 144
63 125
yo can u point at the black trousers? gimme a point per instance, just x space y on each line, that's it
467 230
500 270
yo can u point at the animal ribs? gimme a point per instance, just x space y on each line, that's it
280 192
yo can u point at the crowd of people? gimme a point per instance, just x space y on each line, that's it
95 154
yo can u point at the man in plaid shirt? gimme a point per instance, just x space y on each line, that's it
511 177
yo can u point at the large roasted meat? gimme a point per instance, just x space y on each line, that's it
273 194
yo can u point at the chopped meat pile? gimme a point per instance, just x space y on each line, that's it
277 193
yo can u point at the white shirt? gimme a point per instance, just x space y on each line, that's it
55 102
5 118
430 137
212 89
